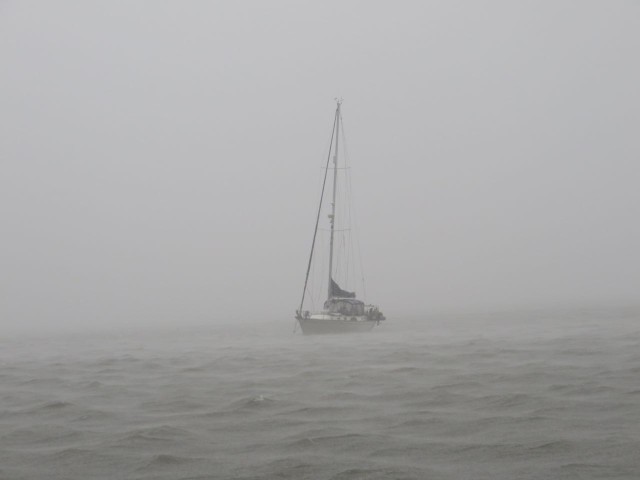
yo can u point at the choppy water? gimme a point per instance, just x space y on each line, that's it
534 396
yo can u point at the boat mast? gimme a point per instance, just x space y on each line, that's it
332 217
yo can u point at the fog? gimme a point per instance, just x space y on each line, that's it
159 161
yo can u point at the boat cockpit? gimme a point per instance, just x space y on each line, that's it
344 306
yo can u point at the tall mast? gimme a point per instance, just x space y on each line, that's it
332 217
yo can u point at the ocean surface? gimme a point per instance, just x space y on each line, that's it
537 395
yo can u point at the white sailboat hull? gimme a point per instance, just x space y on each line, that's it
330 324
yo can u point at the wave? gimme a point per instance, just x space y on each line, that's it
581 389
41 434
385 473
92 384
51 406
72 454
556 446
251 403
407 369
346 441
178 406
164 460
505 400
315 411
154 435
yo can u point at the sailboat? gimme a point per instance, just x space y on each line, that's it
342 312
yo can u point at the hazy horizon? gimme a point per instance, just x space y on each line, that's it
159 162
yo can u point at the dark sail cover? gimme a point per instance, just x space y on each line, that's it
336 291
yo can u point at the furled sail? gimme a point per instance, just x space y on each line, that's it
336 291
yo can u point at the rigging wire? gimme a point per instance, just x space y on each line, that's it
315 231
352 208
348 239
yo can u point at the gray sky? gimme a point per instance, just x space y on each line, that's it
159 160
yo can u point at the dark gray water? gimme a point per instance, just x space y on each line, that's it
527 396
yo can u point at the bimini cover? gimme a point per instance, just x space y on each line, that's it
336 291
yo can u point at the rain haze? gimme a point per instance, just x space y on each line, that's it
160 170
160 161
